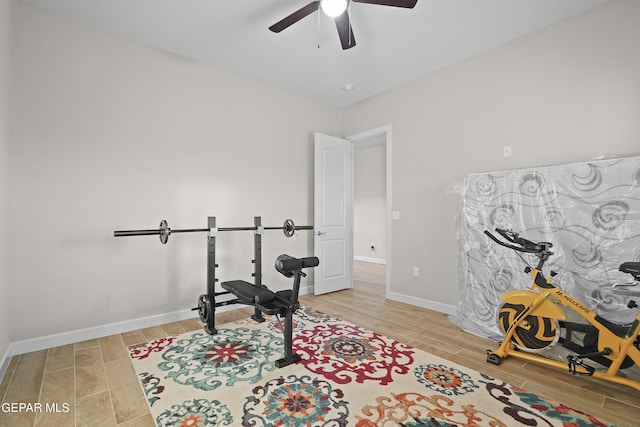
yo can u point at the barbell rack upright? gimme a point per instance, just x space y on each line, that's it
257 263
210 327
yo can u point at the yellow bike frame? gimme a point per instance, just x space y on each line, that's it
541 301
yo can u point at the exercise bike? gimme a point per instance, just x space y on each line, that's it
532 322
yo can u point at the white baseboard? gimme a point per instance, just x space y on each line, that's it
56 340
424 303
305 290
372 260
64 338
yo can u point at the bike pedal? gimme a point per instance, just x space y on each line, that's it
575 361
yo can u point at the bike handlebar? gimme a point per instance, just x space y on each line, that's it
523 245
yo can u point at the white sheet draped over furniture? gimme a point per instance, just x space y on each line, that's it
590 212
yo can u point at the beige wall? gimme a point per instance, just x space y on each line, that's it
5 33
568 93
111 134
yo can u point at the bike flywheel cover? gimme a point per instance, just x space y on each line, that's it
534 334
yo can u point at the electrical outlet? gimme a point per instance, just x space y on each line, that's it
416 271
507 151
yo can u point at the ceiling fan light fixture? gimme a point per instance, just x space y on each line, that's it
339 11
333 8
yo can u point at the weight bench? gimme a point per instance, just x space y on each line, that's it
281 303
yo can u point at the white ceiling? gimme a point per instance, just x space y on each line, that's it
394 45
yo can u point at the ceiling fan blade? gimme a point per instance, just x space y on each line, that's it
345 31
409 4
295 17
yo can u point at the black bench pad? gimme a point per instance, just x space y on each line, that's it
248 292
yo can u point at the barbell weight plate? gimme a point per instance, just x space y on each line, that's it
288 227
164 232
204 308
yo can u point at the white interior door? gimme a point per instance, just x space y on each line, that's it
333 213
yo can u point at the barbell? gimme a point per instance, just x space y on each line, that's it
164 231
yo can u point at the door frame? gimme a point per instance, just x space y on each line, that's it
362 138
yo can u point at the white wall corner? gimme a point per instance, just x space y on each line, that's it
4 363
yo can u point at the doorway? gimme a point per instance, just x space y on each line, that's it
372 209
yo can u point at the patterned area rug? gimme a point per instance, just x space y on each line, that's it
347 376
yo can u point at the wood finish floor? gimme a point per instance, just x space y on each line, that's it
97 381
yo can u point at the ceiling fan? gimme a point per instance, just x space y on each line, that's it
338 10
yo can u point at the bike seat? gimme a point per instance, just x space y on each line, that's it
632 268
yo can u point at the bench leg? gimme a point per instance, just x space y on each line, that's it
257 315
289 357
